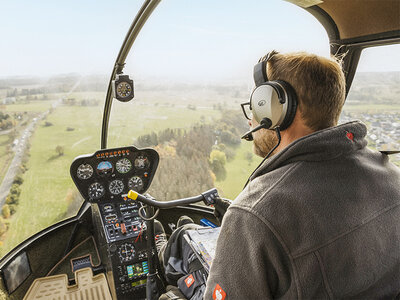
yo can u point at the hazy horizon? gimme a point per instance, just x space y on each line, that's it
200 40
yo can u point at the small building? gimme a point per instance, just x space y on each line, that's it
9 100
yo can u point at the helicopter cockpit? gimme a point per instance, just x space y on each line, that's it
69 227
105 178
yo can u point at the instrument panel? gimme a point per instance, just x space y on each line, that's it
108 175
104 179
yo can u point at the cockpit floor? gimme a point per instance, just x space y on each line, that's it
87 287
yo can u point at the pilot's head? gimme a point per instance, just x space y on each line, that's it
319 85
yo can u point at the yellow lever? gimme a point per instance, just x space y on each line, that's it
132 195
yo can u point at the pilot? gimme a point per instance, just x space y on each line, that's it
319 217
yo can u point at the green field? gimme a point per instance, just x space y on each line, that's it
47 182
238 171
128 120
32 106
46 191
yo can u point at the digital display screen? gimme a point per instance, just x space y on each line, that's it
138 269
140 282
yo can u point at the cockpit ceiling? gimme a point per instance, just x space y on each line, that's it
357 18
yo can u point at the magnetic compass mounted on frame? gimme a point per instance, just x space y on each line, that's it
123 88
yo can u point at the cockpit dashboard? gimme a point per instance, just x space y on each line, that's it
104 179
108 175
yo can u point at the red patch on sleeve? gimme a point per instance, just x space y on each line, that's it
189 280
350 136
219 293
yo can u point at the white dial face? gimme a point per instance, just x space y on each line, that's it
96 190
126 252
123 165
116 186
142 162
135 183
124 89
85 171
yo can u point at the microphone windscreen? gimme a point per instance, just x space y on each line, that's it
248 136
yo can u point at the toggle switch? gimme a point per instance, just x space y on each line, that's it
123 228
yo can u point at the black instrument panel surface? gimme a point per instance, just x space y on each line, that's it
108 175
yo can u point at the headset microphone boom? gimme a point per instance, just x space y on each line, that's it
265 123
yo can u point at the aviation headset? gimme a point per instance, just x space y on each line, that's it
274 101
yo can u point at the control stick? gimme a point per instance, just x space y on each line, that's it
154 282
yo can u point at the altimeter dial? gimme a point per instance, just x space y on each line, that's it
136 183
85 171
124 165
116 186
96 191
142 162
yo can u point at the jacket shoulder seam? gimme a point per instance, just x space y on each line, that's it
323 273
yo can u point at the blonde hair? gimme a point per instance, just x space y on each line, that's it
319 83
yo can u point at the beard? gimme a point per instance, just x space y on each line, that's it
263 142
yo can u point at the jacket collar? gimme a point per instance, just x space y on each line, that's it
321 145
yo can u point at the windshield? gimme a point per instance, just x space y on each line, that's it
192 66
55 66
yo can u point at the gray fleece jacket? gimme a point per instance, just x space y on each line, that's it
319 220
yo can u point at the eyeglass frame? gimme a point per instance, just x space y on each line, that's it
244 111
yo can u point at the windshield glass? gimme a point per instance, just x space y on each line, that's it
192 66
374 98
55 64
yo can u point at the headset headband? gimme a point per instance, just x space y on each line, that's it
260 69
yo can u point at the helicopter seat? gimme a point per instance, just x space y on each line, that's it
87 287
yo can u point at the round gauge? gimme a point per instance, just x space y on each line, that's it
135 183
123 165
104 168
85 171
126 252
124 89
142 162
116 186
96 191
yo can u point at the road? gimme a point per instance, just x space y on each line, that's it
20 148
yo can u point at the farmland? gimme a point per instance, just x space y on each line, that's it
71 126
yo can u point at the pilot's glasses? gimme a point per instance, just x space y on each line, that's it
246 107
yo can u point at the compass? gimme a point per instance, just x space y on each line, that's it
123 88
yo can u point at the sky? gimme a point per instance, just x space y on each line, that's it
182 40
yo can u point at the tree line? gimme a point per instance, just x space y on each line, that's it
6 121
192 159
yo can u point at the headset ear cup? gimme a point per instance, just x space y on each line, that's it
291 104
274 94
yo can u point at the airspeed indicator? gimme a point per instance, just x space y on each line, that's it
85 171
